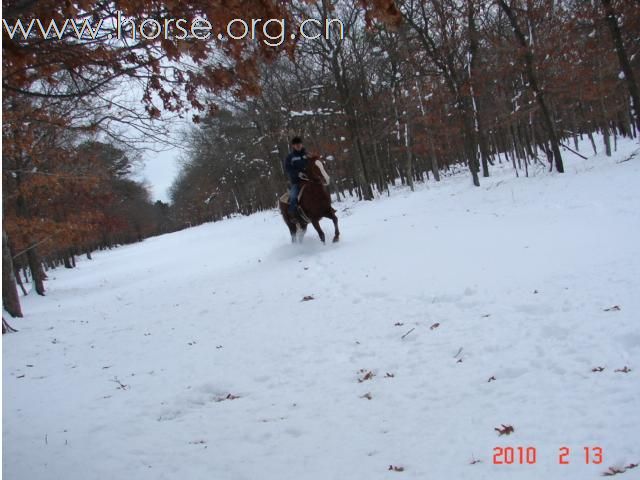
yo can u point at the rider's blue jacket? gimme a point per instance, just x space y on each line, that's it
295 163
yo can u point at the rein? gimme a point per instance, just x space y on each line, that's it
314 180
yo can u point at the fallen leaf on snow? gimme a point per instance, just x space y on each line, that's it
613 471
623 370
230 396
505 430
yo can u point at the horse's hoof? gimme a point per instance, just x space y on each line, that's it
336 239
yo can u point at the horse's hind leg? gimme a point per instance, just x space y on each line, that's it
316 225
336 235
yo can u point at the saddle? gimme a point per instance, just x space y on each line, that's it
285 199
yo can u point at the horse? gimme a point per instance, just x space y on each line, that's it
314 200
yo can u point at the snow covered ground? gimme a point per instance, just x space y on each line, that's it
193 356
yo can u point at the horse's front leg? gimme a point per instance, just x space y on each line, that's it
336 234
316 225
300 231
292 231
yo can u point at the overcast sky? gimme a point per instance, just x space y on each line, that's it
159 170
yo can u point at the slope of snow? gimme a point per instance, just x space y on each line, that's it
130 367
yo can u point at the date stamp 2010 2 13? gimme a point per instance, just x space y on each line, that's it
529 455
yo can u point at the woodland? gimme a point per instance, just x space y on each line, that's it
415 91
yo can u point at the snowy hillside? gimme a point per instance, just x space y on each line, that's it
442 315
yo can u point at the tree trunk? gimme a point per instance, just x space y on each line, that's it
470 142
434 163
37 275
593 143
6 328
408 155
19 281
473 54
533 82
352 125
10 298
625 65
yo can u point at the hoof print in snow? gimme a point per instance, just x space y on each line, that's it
491 379
367 395
597 369
389 375
395 468
459 360
368 375
486 315
306 298
505 430
191 343
434 326
615 308
230 396
535 292
218 347
623 370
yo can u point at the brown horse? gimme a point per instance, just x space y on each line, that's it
315 203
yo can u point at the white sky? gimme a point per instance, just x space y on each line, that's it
159 170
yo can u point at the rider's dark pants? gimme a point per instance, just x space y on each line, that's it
294 191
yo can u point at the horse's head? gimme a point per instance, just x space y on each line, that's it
316 171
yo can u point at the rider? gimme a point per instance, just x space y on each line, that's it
294 165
